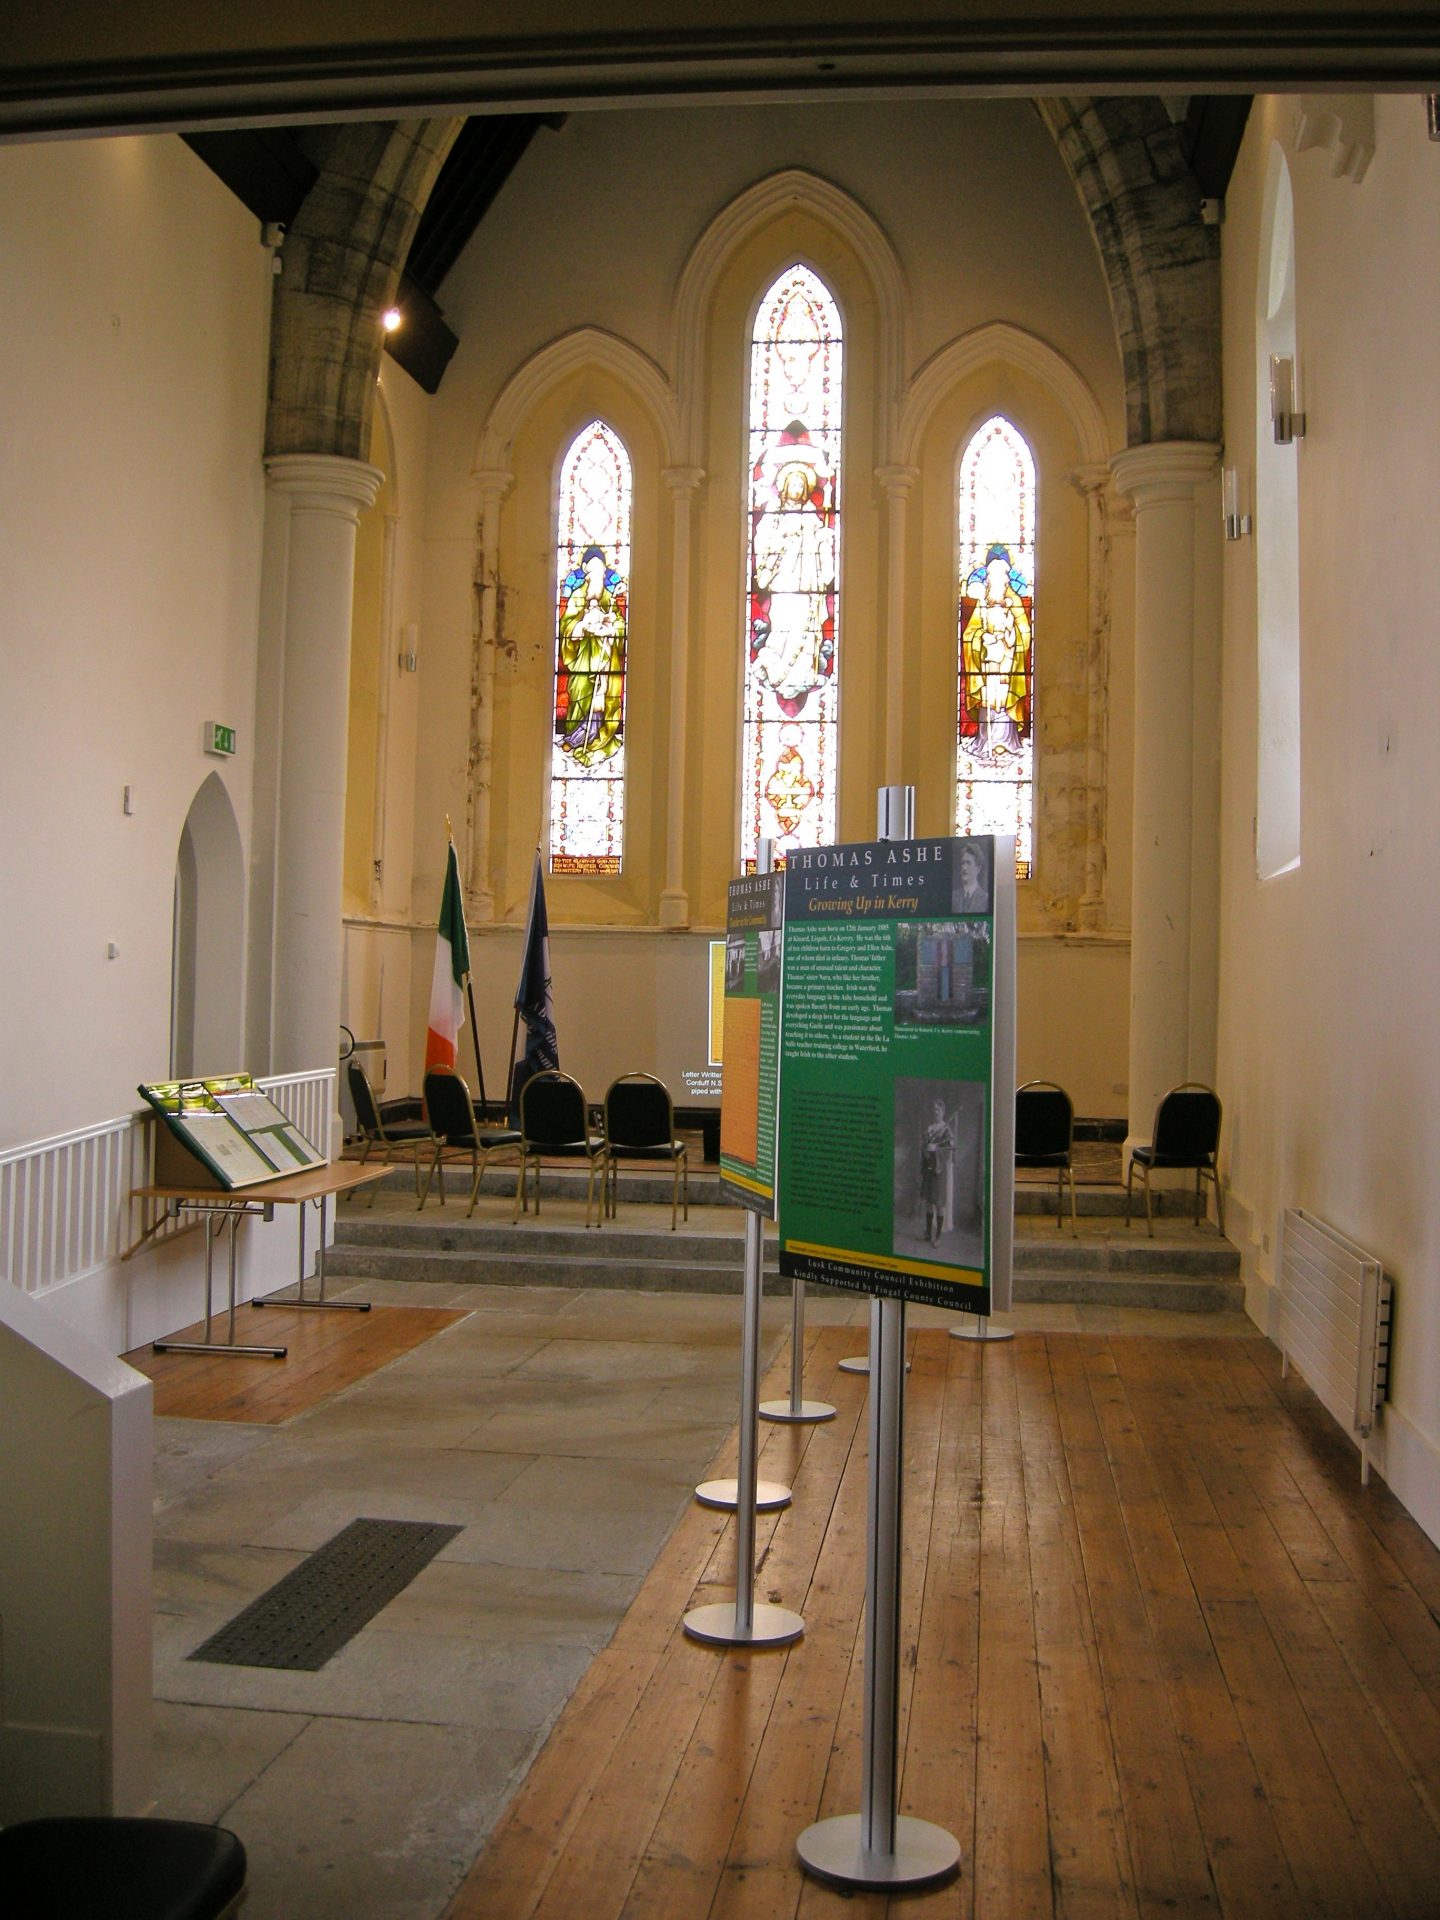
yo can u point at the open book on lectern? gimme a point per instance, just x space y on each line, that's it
233 1128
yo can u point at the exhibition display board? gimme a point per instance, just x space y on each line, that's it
896 1028
754 930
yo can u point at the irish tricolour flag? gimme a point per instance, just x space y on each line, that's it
452 964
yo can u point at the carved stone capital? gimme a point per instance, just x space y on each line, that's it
683 482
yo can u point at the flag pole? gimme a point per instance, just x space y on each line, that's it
470 999
515 1023
475 1037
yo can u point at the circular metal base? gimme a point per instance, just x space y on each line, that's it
769 1626
807 1410
924 1854
984 1332
769 1495
859 1364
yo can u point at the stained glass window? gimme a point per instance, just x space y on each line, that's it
788 753
995 739
592 604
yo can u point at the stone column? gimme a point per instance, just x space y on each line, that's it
325 495
388 656
1093 483
897 482
1165 482
683 482
494 484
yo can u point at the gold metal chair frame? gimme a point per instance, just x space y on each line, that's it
1064 1172
584 1145
672 1149
482 1146
373 1131
1205 1169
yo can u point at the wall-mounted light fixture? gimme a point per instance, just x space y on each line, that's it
410 649
392 319
1236 522
1287 423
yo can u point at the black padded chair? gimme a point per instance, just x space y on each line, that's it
454 1130
1045 1137
1186 1134
96 1868
639 1121
554 1125
384 1125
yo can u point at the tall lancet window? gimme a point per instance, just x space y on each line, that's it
592 607
995 738
792 601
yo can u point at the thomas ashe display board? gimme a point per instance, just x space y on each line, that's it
887 1066
753 934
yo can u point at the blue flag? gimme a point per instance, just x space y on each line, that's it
532 997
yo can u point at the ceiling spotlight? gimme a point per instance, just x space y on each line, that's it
391 319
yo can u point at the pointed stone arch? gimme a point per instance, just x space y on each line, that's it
340 269
1161 262
585 347
1024 353
748 214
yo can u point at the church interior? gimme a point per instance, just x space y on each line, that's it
232 500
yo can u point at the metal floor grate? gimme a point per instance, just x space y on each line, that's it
319 1605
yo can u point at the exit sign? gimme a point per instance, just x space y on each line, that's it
219 739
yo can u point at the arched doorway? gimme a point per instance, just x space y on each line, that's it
208 951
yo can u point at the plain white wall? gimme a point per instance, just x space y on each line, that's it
75 1492
1329 1039
132 404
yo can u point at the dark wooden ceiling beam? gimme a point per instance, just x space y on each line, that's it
77 69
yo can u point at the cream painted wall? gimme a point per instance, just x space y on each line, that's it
132 402
656 1019
1329 1045
594 230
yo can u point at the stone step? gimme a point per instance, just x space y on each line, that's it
1181 1293
1097 1286
643 1188
715 1234
1180 1267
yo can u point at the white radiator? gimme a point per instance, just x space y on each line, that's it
1335 1322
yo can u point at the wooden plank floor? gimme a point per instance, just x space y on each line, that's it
327 1352
1161 1654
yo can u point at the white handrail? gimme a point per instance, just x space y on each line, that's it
65 1200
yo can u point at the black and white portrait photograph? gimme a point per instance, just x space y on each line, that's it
767 968
972 877
939 1193
735 963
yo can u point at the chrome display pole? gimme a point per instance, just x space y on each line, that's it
767 1496
879 1848
894 820
797 1407
983 1331
742 1622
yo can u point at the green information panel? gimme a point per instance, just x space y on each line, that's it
754 932
894 1167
